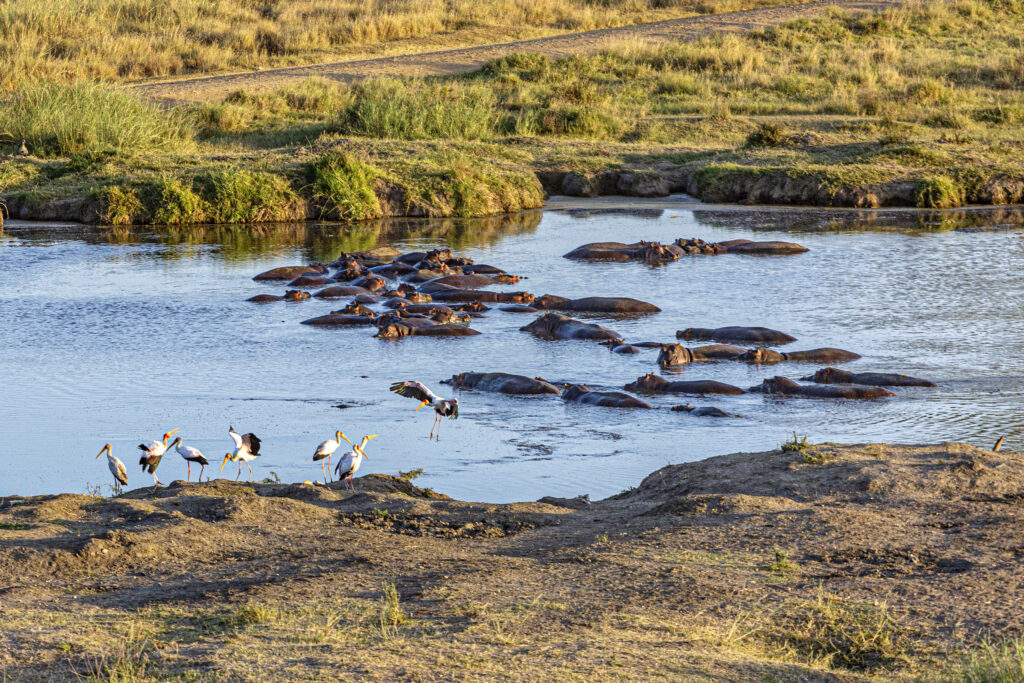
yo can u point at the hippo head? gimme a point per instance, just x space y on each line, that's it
458 261
522 298
762 355
574 391
295 295
655 253
358 309
375 283
348 274
777 385
440 255
474 307
456 380
507 278
390 318
394 294
649 382
318 267
418 298
549 301
393 331
824 376
406 288
685 408
674 354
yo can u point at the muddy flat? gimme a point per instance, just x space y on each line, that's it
840 562
464 60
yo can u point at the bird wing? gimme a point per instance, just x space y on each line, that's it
118 470
414 390
236 437
345 464
252 443
325 449
190 452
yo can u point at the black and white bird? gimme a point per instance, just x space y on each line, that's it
349 463
326 449
116 468
443 407
191 455
247 448
153 453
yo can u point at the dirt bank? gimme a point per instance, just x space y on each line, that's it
836 563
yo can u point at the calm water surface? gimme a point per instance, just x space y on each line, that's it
119 336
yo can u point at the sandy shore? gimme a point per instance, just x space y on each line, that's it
840 562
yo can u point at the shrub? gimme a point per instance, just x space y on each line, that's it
247 197
767 135
89 118
120 206
938 192
343 186
175 203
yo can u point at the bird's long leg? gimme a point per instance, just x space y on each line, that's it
323 470
202 469
351 486
250 470
239 475
329 468
189 475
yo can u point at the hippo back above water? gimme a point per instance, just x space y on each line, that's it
763 356
878 379
742 335
503 383
787 387
555 326
653 384
579 393
595 304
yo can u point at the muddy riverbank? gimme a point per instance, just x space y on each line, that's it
838 562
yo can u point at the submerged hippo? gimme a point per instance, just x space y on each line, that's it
482 295
265 298
555 326
354 308
703 411
502 383
653 384
296 295
787 387
405 329
742 335
311 281
595 304
653 253
579 393
762 248
339 291
763 356
517 308
877 379
460 281
393 270
372 283
290 272
339 320
677 354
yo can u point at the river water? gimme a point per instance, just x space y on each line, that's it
118 336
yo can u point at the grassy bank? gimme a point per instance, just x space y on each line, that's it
824 562
865 110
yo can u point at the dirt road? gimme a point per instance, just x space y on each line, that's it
463 60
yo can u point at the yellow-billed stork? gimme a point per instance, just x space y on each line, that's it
153 453
326 449
350 462
191 455
247 448
116 468
443 407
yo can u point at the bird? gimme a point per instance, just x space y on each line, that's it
443 407
116 468
326 449
152 454
350 462
23 150
247 448
191 455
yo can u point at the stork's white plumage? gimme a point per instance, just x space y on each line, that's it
326 449
350 462
116 468
247 448
191 455
443 407
152 453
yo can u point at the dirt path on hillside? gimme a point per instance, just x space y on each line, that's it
463 60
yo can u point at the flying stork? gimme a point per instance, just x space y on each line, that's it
443 407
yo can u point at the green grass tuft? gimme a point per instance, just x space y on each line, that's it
938 192
1001 662
343 186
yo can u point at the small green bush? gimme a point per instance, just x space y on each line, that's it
120 206
343 186
938 192
236 196
767 135
175 203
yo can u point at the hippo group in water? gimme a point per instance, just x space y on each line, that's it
555 326
740 335
653 384
879 379
579 393
503 383
787 387
656 253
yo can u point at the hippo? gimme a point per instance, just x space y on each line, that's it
763 356
482 295
296 295
427 309
460 281
703 411
290 272
653 253
762 248
470 307
450 317
502 383
265 298
786 386
355 309
372 283
311 281
368 299
350 273
403 329
411 258
677 354
482 269
337 320
383 254
555 326
595 304
653 384
393 270
579 393
695 246
421 276
742 335
878 379
517 308
339 291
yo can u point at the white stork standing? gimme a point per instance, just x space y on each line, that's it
326 449
247 447
191 455
350 462
116 468
443 407
153 453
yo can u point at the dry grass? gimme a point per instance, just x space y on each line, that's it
132 39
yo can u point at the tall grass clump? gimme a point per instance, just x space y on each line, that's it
451 184
236 196
938 192
343 186
420 110
61 120
993 663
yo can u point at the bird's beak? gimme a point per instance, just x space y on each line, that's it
226 456
361 451
342 435
171 433
423 403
